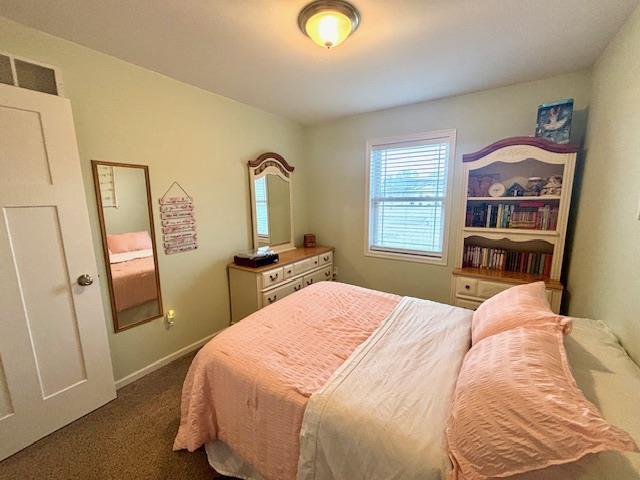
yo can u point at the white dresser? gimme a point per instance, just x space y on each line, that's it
251 289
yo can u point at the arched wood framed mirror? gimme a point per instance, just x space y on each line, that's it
270 179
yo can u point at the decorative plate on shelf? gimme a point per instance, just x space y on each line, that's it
497 190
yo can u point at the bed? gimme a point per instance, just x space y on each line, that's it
132 269
134 280
340 382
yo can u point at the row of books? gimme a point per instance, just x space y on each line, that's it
507 260
530 215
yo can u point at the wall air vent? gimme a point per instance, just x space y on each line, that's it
25 73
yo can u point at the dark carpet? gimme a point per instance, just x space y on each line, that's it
129 438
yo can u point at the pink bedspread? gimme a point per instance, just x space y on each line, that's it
249 385
134 282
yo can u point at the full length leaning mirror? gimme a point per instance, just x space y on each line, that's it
123 196
271 202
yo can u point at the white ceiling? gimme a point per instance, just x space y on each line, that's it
405 51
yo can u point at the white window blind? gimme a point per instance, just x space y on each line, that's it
262 210
408 196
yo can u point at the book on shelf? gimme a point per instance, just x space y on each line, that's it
531 215
534 263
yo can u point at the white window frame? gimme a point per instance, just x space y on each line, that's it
262 237
450 137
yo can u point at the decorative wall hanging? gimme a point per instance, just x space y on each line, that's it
107 184
178 220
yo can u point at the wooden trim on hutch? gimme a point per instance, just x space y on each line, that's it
518 141
507 277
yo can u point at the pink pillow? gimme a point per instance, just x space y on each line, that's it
518 306
129 242
517 408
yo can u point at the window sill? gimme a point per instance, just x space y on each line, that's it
407 257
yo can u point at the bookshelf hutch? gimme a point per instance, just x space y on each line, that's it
515 208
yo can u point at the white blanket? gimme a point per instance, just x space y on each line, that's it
382 415
127 256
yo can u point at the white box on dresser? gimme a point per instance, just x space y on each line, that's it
250 289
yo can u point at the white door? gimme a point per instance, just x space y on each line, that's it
54 355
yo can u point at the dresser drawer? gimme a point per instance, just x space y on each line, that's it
279 293
466 286
489 289
305 265
319 276
272 277
288 271
470 304
326 258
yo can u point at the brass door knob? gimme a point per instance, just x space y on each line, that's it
85 280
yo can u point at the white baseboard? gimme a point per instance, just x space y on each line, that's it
132 377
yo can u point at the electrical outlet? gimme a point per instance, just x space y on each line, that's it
170 317
335 272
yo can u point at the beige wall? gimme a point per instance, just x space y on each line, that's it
604 270
124 113
336 171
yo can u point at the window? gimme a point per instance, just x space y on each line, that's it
262 211
407 200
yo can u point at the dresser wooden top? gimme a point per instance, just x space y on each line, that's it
290 256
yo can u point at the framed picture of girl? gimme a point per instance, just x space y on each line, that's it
554 121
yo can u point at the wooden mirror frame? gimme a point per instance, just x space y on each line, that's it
105 247
271 163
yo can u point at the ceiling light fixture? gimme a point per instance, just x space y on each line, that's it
328 22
